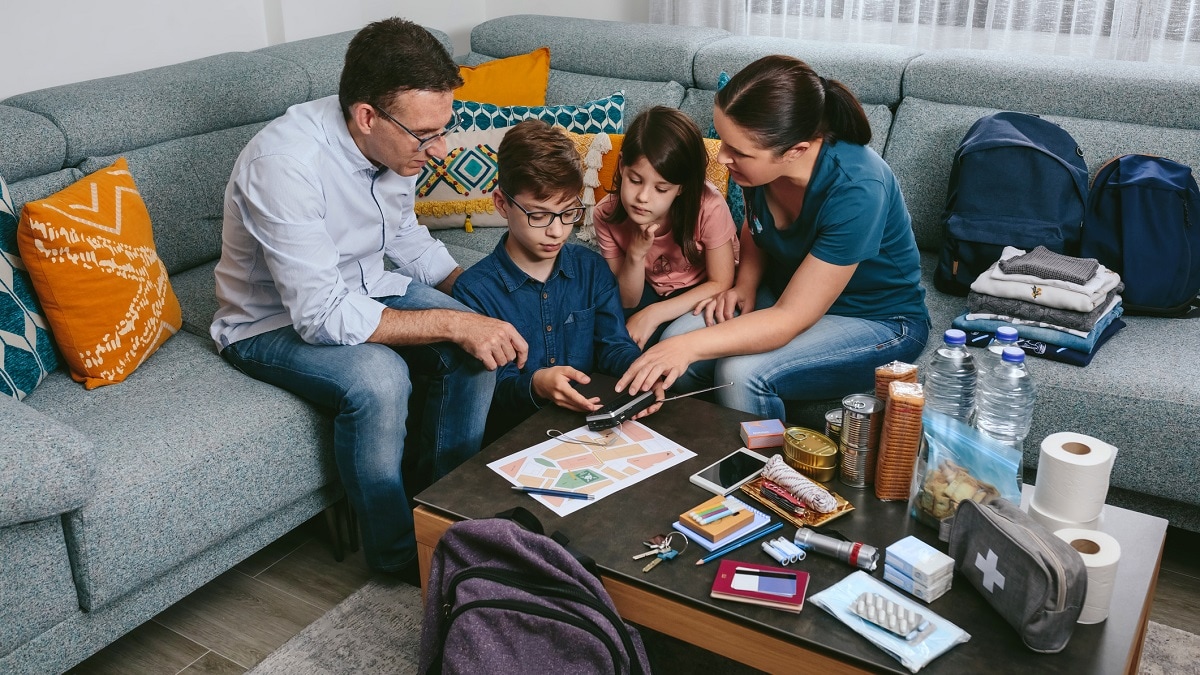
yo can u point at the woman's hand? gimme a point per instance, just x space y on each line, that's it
642 325
724 306
554 384
660 366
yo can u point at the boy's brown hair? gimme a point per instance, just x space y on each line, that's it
537 159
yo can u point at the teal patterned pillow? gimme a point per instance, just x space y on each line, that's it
603 115
26 348
733 197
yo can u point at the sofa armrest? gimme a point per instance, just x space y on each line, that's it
46 467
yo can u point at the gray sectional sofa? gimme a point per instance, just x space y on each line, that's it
115 503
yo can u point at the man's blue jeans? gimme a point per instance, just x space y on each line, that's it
367 388
837 356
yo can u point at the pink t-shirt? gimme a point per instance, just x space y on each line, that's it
666 268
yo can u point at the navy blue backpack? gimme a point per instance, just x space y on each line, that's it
1143 222
1017 180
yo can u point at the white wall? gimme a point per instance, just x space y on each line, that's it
51 42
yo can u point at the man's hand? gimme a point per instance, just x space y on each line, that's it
492 341
659 366
724 306
554 384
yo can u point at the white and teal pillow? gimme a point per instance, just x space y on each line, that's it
601 116
26 348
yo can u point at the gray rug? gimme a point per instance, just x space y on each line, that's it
378 630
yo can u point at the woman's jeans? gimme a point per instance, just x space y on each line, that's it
367 388
835 357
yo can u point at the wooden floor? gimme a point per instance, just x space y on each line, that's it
232 623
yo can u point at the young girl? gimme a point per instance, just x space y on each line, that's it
664 230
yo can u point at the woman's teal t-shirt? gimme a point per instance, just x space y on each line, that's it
853 212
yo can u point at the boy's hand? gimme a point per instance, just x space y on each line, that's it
554 384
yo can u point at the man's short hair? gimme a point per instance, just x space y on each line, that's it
537 159
391 56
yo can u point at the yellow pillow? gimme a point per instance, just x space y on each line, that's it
516 80
90 254
716 172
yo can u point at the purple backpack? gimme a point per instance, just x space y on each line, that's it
504 599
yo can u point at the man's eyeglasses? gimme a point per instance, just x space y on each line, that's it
544 218
422 143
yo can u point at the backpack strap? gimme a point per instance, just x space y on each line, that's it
523 517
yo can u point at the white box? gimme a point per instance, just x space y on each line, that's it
919 561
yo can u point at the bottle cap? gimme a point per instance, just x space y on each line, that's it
1013 355
955 336
1006 334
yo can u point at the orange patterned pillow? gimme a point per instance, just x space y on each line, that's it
90 254
515 80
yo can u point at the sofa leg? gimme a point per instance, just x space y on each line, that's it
351 520
333 530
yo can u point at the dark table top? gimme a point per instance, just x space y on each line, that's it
611 530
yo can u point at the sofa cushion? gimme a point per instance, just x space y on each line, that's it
873 72
36 590
90 253
632 51
116 114
27 351
513 80
39 187
196 289
604 114
183 184
460 185
1097 89
32 144
170 485
926 134
50 471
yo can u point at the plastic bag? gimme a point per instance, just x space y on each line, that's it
959 462
837 600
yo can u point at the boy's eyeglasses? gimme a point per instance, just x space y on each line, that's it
569 216
422 143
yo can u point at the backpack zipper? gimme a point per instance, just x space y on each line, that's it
1061 574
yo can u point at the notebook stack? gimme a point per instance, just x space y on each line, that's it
918 568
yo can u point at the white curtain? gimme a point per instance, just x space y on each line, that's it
1135 30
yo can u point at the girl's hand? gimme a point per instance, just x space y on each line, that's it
554 384
640 245
724 306
660 393
642 325
659 366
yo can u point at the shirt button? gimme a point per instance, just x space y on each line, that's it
545 295
551 360
549 328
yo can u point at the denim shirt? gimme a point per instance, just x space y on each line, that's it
573 319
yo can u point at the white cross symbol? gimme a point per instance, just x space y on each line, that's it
991 575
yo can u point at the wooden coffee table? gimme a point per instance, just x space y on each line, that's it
673 598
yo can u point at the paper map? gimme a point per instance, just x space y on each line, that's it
610 460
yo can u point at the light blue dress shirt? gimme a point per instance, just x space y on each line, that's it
308 221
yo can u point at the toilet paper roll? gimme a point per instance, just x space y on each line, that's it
1100 553
1072 480
1053 524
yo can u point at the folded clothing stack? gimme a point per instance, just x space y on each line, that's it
1065 302
918 568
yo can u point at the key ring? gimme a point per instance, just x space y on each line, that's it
670 537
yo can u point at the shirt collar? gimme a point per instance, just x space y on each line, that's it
339 135
514 277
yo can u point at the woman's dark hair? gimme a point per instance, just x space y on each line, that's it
781 101
671 142
390 56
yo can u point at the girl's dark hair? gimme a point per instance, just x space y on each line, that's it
671 142
781 101
390 56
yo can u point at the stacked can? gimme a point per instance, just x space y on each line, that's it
862 420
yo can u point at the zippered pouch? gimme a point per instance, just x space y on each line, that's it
1035 580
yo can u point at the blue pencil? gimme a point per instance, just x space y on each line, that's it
549 492
739 543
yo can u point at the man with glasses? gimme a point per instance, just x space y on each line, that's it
316 202
561 297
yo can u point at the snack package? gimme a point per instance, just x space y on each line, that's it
959 463
896 371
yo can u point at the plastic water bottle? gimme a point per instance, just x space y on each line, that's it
1006 398
1006 336
950 378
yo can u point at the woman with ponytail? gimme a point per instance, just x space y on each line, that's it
828 286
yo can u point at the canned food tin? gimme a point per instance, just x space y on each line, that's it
833 423
858 466
811 453
862 420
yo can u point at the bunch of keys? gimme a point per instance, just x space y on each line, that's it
660 547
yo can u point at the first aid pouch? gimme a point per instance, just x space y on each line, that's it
1035 580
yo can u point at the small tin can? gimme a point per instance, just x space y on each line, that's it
862 420
833 423
858 467
811 453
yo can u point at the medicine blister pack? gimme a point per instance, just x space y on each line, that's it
892 617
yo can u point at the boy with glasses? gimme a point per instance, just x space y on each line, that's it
561 297
317 200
